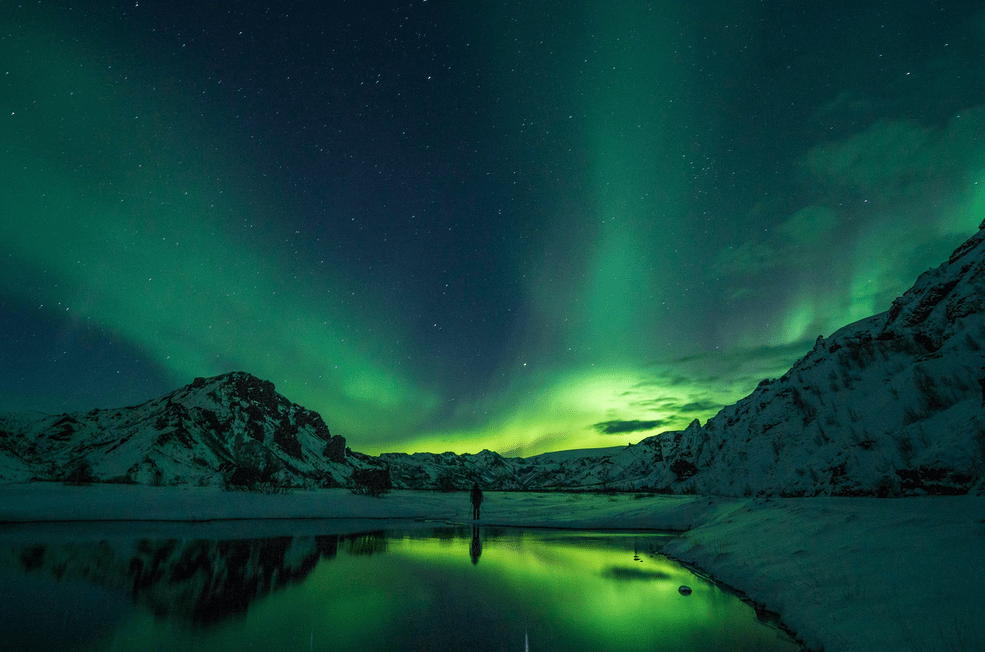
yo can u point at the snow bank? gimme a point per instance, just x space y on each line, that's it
845 574
854 574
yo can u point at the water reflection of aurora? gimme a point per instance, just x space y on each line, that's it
562 591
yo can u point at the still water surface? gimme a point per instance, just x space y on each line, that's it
443 588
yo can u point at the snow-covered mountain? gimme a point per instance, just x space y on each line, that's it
233 429
590 469
890 405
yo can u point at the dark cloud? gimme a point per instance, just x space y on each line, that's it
700 406
901 159
620 427
659 403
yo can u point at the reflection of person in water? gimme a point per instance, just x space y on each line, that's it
476 548
476 499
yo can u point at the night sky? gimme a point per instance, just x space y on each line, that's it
515 225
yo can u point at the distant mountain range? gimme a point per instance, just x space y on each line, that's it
890 405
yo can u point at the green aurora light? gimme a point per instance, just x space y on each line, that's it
126 209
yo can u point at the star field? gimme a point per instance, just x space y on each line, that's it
454 226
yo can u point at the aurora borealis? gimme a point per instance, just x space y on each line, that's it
522 226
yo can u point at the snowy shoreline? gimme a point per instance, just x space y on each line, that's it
845 574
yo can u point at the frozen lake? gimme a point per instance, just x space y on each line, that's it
113 587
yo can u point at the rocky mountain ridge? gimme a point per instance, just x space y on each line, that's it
233 429
889 405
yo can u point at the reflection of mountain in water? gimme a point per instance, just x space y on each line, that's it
199 581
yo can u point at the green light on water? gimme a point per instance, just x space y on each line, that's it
599 592
571 592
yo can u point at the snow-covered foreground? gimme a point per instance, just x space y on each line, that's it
843 573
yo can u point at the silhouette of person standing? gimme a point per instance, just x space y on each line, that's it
476 499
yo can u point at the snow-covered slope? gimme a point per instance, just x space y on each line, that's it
233 429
